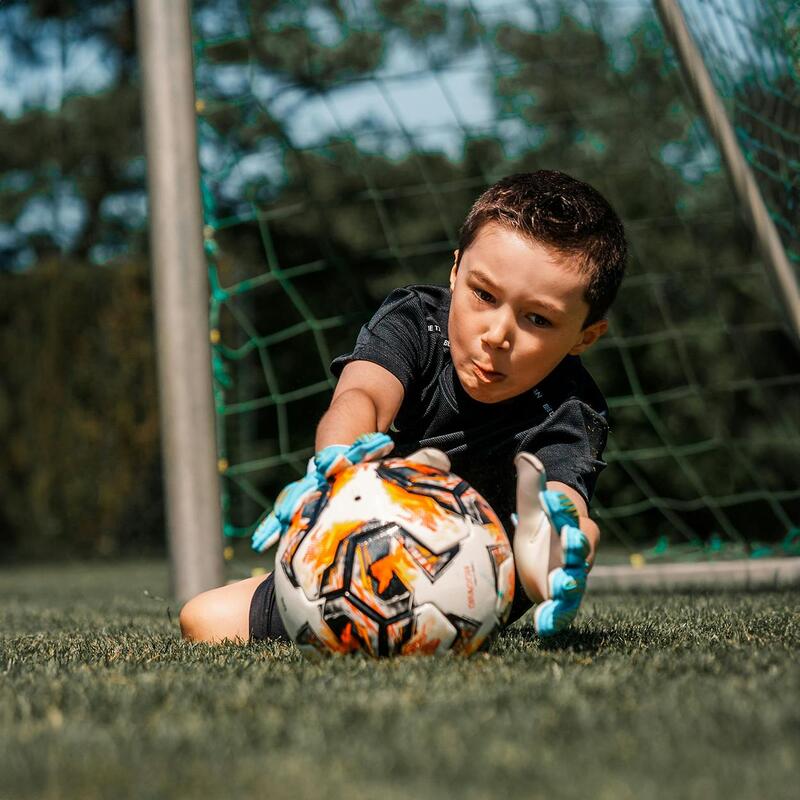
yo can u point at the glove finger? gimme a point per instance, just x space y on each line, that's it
330 460
531 482
567 584
553 616
574 546
278 521
293 496
559 508
266 534
369 447
431 457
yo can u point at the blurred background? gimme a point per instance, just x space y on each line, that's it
341 144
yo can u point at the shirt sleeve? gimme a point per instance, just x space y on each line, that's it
570 445
393 338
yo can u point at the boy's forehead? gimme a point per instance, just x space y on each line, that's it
500 256
509 236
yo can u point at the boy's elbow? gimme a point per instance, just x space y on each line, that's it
368 396
358 404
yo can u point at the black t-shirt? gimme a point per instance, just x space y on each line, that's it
562 420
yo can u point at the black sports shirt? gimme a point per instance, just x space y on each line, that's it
563 420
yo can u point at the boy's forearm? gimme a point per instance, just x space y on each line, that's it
350 414
592 532
585 523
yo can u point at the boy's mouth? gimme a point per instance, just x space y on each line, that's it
486 375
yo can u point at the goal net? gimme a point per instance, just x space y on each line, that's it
341 145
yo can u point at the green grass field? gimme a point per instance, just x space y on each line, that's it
668 696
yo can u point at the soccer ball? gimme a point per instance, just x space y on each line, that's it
394 557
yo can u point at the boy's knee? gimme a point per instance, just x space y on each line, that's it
202 617
217 615
190 617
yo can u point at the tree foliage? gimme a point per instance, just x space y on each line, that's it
78 415
72 177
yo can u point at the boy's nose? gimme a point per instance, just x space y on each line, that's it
498 333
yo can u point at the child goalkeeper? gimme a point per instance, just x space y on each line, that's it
488 371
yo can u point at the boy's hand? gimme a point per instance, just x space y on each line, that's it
567 584
550 549
324 466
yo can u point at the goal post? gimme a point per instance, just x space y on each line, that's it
764 573
180 287
744 183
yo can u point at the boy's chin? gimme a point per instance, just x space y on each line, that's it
487 393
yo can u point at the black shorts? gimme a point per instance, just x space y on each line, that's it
265 621
520 605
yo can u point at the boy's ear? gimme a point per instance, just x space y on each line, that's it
454 271
589 335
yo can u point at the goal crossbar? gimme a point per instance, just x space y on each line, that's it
752 574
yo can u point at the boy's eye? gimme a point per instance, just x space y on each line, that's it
539 321
484 297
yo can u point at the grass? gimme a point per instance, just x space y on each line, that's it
655 696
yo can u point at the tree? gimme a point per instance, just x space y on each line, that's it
72 162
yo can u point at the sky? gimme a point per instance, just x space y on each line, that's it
70 65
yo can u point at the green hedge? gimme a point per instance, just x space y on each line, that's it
78 412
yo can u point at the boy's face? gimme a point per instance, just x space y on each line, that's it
516 311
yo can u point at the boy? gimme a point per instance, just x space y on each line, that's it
488 371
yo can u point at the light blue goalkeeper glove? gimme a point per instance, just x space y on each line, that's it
323 467
550 549
567 583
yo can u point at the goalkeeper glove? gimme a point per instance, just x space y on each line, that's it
550 549
323 467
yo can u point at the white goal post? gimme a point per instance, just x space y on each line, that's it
180 287
752 574
773 573
744 183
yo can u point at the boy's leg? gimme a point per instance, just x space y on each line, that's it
235 612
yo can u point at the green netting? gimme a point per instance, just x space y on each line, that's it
341 144
752 50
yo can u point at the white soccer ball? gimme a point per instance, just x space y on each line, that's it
395 557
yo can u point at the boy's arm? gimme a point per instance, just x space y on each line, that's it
367 399
365 402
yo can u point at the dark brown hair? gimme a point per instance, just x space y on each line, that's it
564 214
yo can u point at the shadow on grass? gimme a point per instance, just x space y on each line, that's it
586 642
619 638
